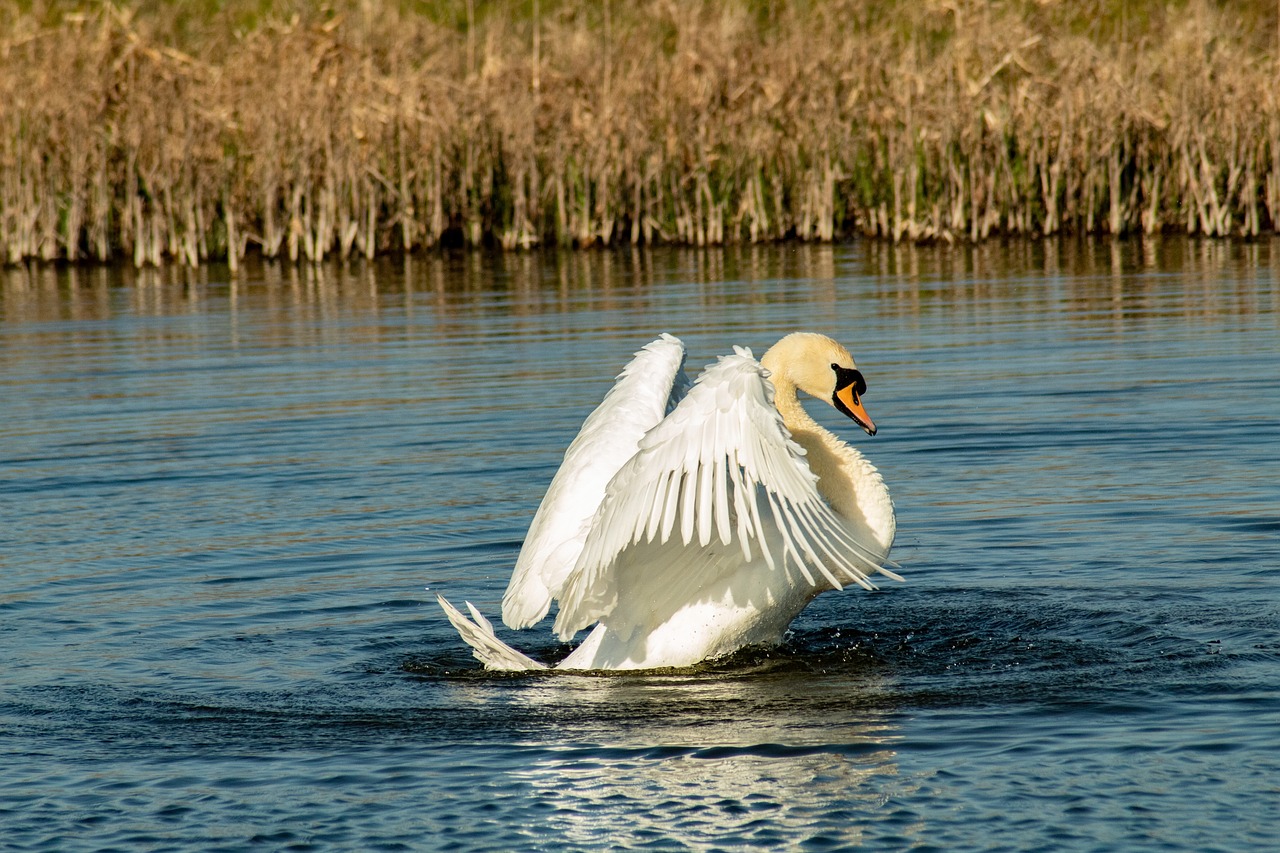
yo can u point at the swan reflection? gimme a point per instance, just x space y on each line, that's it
764 759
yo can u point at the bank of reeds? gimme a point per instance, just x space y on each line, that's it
180 132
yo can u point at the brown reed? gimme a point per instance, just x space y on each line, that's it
195 131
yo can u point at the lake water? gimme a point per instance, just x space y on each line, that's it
223 504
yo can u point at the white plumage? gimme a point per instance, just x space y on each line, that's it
688 522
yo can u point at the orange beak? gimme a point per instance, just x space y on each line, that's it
847 401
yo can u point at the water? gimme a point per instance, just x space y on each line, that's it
223 505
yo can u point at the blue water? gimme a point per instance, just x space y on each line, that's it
227 505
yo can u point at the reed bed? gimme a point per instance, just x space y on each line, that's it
187 132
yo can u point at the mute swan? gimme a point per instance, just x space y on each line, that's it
689 521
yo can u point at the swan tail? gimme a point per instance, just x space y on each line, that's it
485 645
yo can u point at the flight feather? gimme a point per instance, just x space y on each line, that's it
646 390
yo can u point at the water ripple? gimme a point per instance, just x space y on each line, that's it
231 504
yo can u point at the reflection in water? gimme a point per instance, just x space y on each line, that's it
1124 282
766 797
1215 279
736 758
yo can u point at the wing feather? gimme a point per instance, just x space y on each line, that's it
705 470
646 390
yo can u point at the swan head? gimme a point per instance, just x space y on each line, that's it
822 368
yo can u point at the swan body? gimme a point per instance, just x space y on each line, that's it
689 521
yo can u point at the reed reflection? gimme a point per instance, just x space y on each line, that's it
1132 280
1131 284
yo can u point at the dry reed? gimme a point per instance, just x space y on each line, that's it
175 133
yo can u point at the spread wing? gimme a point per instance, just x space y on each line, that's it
717 484
648 388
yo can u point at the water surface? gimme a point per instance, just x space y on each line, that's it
228 503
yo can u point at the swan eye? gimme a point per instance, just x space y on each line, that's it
846 376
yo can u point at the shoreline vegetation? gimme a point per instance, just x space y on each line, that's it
201 130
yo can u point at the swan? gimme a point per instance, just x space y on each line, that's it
690 520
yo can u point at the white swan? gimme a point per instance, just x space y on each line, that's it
687 522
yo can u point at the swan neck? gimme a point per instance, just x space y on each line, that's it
793 414
849 483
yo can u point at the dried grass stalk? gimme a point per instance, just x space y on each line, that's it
184 134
